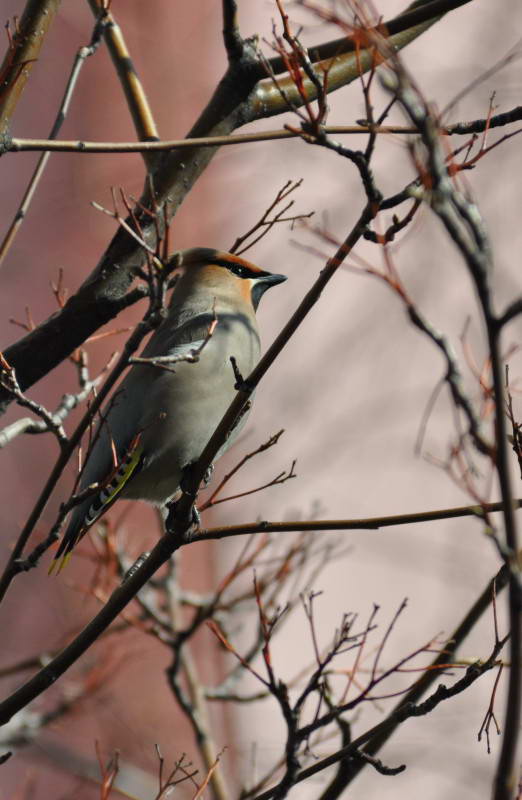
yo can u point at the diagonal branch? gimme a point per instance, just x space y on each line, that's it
22 55
137 102
418 13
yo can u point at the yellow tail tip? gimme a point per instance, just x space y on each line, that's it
58 564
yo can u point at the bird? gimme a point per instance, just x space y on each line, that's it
161 416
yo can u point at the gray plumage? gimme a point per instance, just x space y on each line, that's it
159 422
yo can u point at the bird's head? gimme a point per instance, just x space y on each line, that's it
227 272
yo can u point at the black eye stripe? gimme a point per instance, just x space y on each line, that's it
240 270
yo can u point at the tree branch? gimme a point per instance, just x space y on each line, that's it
22 55
417 13
368 523
137 102
231 34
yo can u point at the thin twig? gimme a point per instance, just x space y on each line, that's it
68 403
400 715
81 56
368 523
17 144
266 223
271 442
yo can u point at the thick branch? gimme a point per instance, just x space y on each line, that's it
418 13
270 99
231 33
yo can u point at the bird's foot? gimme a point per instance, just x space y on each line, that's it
172 517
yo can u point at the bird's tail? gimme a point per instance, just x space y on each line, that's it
92 509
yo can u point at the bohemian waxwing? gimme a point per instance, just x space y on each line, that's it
159 420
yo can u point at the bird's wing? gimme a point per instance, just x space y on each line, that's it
181 339
121 419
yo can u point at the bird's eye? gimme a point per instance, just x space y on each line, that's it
239 271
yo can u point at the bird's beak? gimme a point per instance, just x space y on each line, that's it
263 282
272 279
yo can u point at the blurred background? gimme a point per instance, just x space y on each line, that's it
350 390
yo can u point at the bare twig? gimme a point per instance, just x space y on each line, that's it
271 442
490 713
81 57
266 223
16 144
67 404
48 421
192 355
368 523
400 715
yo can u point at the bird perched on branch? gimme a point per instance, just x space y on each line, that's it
166 409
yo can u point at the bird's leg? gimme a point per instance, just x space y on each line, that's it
170 515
